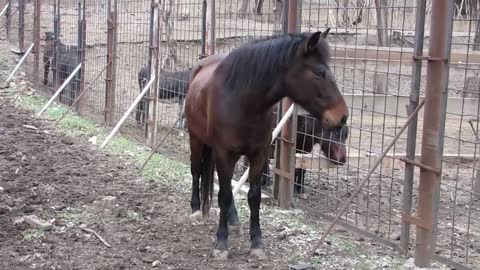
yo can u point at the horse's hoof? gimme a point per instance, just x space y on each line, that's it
220 255
258 254
235 229
197 215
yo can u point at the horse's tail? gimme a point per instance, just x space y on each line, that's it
206 187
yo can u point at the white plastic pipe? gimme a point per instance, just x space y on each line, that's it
60 89
275 133
19 63
4 9
127 113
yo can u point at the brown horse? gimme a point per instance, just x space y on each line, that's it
229 110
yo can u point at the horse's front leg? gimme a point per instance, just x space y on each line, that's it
225 163
257 161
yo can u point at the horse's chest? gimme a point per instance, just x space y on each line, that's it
244 140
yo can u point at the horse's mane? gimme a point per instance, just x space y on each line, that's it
257 63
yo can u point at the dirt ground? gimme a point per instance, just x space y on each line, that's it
61 179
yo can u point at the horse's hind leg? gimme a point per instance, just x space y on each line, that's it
257 160
196 156
225 163
233 221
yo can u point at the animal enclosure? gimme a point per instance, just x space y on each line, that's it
380 56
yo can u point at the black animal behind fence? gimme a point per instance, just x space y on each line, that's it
170 85
66 60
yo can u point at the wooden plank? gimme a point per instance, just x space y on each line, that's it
396 105
362 160
394 53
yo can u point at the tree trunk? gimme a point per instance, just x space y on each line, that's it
382 22
259 5
244 8
278 7
475 15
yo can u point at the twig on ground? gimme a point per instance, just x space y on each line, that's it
29 127
96 234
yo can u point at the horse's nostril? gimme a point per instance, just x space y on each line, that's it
344 120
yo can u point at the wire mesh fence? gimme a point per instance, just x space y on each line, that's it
377 58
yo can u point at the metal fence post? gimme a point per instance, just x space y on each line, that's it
210 27
412 128
21 25
278 145
111 59
8 14
36 37
80 84
433 130
287 150
153 62
204 29
56 33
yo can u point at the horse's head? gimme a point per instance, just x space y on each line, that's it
332 143
310 82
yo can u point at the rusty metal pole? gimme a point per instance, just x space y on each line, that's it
8 14
56 33
287 149
276 177
21 25
210 27
203 43
152 107
110 74
81 36
36 37
433 130
412 128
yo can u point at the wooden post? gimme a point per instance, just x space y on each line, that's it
152 107
36 38
287 150
380 83
210 27
111 55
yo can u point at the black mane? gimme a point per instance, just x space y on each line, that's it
257 64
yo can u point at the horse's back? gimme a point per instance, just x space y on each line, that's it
198 103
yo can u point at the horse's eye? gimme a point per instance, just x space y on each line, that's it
319 73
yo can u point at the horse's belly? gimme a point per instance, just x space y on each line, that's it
243 141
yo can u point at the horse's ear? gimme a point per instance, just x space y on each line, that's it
312 42
325 33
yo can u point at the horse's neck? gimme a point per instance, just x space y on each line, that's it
254 104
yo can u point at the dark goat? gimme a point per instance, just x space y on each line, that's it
171 85
66 64
49 56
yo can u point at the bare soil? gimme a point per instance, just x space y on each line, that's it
60 179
